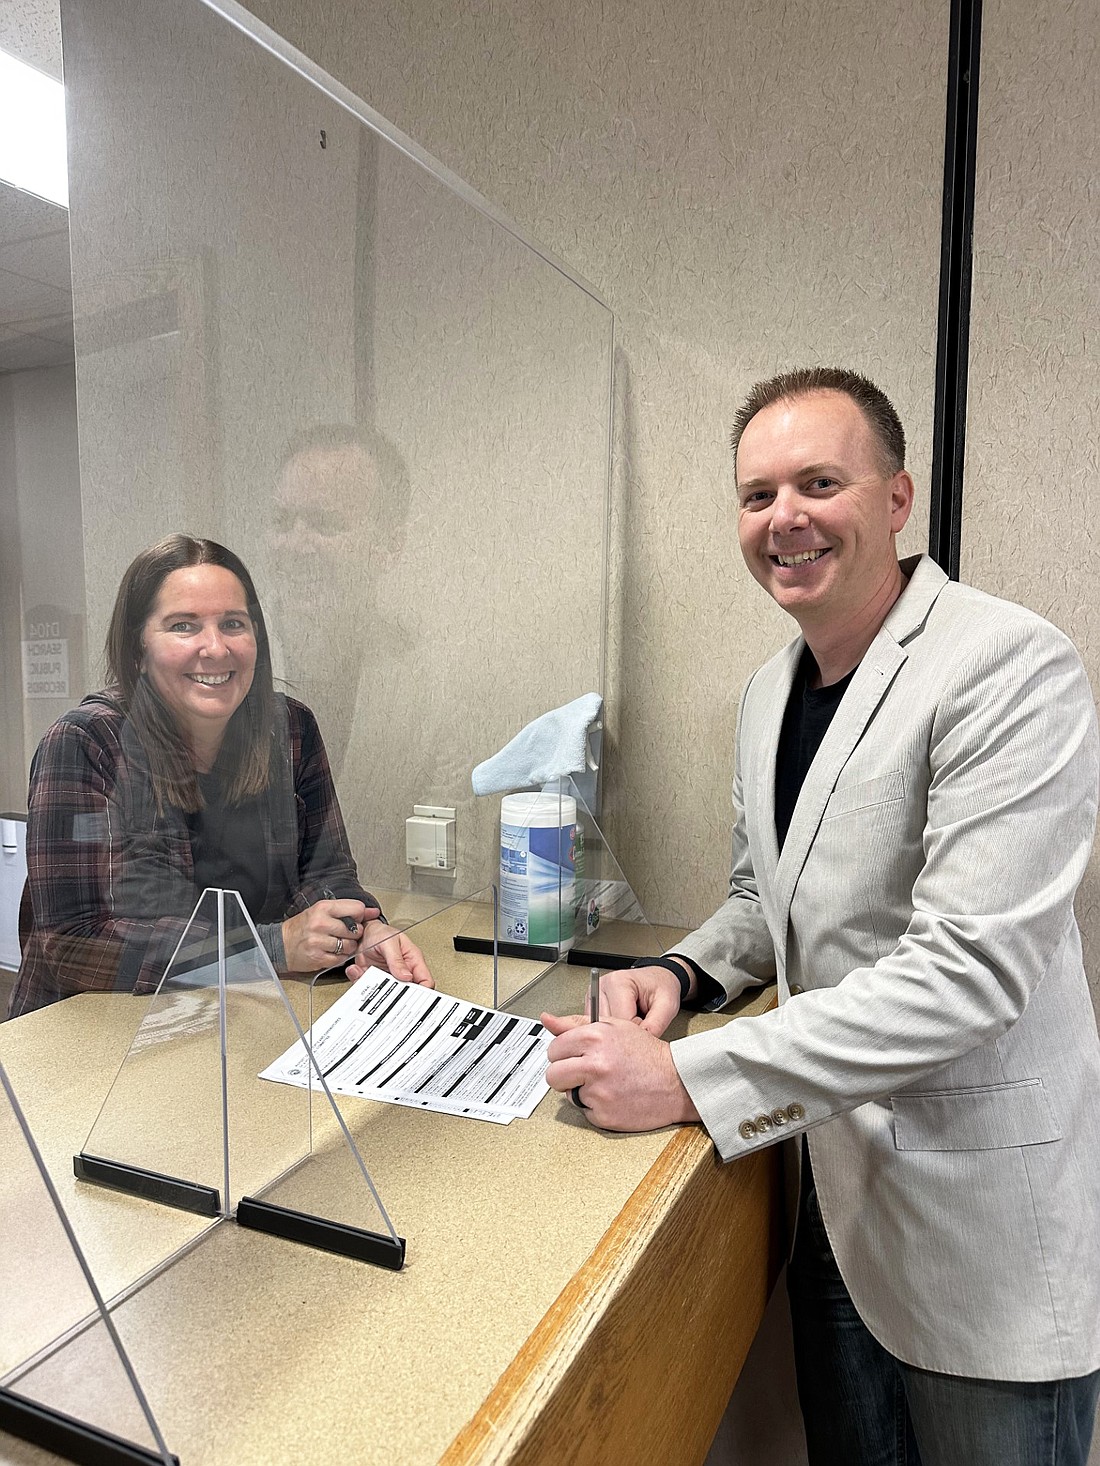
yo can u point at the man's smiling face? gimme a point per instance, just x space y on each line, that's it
818 512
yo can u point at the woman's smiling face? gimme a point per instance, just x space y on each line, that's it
200 649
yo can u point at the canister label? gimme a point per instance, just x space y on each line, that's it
538 883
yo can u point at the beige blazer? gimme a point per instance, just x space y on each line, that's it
935 1034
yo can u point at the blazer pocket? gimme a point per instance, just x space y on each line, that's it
868 792
991 1117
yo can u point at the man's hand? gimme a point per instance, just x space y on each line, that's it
649 994
383 946
626 1076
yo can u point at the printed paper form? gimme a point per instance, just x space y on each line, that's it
410 1045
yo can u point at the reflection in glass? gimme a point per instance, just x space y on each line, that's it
338 517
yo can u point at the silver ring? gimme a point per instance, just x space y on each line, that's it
575 1096
338 950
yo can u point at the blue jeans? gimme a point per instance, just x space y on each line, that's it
863 1407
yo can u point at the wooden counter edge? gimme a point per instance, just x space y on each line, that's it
636 1358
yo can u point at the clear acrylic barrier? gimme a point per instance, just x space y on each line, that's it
189 1122
433 922
416 1072
174 1111
297 335
611 929
51 1303
459 942
564 898
303 338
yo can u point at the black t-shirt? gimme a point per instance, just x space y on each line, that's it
229 851
806 721
809 712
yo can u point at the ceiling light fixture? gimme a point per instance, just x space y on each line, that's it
32 131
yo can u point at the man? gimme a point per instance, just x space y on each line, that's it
336 526
915 787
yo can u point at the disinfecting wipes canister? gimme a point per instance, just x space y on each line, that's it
538 857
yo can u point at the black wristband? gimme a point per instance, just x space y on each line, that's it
684 978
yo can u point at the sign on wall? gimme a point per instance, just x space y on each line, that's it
45 661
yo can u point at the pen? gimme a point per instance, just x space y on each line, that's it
331 895
594 995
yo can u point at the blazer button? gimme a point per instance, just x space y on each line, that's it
795 988
763 1124
747 1130
796 1111
779 1116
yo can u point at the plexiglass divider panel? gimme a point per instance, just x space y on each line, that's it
611 929
183 1116
66 1381
225 1104
227 1089
296 338
565 900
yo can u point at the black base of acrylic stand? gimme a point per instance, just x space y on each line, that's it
296 1226
260 1216
204 1201
575 957
72 1439
484 946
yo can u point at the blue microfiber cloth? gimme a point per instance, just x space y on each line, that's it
550 746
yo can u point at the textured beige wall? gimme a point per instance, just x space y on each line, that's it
750 188
1033 427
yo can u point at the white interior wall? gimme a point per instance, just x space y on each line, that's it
41 557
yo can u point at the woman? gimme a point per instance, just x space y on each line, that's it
188 771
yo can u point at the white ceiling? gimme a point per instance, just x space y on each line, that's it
36 298
36 303
31 29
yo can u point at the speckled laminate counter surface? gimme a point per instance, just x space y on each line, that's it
255 1350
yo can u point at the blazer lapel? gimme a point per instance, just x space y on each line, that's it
778 873
869 686
760 754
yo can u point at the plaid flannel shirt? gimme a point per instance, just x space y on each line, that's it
111 877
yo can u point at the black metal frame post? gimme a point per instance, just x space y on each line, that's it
956 258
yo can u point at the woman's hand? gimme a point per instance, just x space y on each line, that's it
321 937
383 946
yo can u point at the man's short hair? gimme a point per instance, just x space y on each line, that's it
876 407
391 509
